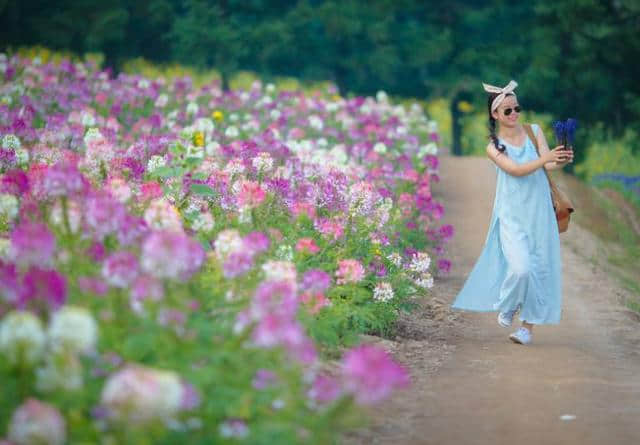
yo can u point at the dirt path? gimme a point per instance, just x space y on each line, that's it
472 385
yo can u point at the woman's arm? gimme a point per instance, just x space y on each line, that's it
544 148
515 169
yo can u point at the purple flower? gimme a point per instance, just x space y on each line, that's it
256 242
64 179
263 379
237 263
103 215
32 244
9 286
559 130
444 266
570 128
172 255
371 374
120 269
42 290
316 280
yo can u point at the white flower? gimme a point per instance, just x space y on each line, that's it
212 148
420 262
73 328
284 252
92 134
138 394
395 259
315 122
204 222
88 120
263 162
36 422
383 292
380 148
231 132
381 96
163 215
227 242
155 162
61 371
10 142
270 88
22 338
5 245
275 114
425 281
8 206
22 156
143 84
280 271
192 108
161 101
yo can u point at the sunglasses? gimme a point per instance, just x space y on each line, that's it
507 111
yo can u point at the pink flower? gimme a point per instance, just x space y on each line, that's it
151 190
307 245
145 287
37 422
172 255
249 194
120 269
92 285
103 215
324 389
371 375
32 244
331 228
446 231
315 301
349 271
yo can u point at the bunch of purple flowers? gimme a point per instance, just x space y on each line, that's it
565 131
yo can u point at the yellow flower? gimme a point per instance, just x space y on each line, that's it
198 139
465 106
217 115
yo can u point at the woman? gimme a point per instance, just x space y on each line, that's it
519 268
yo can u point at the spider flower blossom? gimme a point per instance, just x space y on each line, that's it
172 255
383 292
22 338
371 375
139 395
120 269
349 271
32 244
36 422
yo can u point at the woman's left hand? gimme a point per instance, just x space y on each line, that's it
570 156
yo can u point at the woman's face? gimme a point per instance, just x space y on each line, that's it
507 120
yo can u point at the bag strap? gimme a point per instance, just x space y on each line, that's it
532 136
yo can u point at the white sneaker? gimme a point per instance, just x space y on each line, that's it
522 336
506 318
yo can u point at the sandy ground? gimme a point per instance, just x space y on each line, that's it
577 383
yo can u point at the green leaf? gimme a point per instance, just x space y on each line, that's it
202 189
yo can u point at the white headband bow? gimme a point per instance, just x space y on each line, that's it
502 92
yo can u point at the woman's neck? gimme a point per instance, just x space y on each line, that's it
510 132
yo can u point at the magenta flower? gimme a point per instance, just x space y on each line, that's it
15 182
446 231
42 290
264 379
444 266
307 245
32 244
103 215
9 284
120 269
172 255
371 375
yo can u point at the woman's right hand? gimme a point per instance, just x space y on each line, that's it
558 154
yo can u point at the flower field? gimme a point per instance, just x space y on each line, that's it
189 264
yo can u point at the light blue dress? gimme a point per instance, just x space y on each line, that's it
520 263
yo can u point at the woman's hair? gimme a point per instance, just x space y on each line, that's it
492 124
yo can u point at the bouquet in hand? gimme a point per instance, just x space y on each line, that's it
565 132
